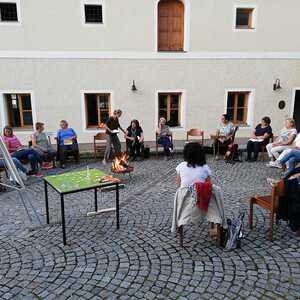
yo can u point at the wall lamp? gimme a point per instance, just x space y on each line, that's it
276 85
133 87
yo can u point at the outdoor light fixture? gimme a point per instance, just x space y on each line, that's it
133 87
276 85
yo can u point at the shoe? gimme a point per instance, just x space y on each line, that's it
38 174
31 173
275 164
62 166
104 162
253 159
47 166
272 181
248 158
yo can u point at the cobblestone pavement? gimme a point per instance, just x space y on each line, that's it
143 259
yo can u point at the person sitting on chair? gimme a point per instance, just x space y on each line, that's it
17 150
112 140
290 156
285 139
260 137
134 139
224 134
41 144
194 168
66 142
20 168
163 133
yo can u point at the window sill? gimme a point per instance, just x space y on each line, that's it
177 128
12 23
93 25
171 51
243 126
94 129
244 29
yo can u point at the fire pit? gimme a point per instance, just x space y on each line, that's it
120 165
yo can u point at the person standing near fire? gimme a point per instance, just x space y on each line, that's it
112 127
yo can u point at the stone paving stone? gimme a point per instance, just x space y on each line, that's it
143 259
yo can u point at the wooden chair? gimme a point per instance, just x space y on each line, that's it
216 152
264 147
268 202
99 143
69 153
219 237
46 158
197 134
157 145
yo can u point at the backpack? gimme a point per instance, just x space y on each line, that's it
235 232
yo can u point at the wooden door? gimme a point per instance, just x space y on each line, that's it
170 25
297 110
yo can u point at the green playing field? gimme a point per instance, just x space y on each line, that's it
73 181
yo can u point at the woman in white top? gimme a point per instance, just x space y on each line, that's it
194 168
284 141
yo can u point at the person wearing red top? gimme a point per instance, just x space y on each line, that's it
17 150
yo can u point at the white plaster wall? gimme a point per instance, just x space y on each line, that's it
58 86
56 25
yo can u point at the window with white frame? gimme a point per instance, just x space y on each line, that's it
19 110
98 109
245 18
237 106
169 107
93 12
9 12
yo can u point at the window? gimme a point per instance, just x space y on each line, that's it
170 25
8 12
19 110
244 18
237 106
169 108
97 109
93 13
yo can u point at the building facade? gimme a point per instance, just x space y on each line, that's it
190 61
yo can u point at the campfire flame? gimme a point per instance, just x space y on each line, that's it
120 163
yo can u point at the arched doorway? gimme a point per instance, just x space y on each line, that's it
170 25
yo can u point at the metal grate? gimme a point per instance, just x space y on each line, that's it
8 12
93 13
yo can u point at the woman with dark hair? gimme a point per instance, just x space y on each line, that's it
134 139
260 136
20 152
112 127
224 134
194 168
